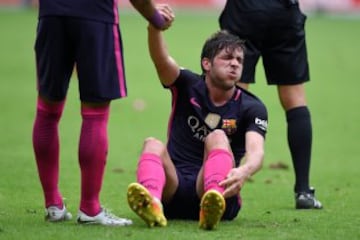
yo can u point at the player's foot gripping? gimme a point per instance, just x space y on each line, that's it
212 208
146 206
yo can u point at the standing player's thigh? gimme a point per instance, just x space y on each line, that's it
252 55
285 55
54 57
100 62
250 27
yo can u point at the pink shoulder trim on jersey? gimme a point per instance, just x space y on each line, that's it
237 95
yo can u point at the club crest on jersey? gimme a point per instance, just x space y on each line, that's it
212 120
229 126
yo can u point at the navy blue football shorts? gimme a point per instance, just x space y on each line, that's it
185 204
92 49
278 37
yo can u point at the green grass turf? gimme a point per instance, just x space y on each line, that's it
268 210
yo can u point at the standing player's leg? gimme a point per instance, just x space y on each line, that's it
46 148
93 149
286 65
299 135
54 62
100 71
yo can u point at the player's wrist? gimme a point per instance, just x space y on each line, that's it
246 171
157 20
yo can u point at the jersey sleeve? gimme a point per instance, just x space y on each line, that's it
257 118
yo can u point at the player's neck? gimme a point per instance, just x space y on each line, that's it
219 97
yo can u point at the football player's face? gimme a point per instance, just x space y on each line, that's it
226 68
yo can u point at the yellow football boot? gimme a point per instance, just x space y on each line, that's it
212 208
146 206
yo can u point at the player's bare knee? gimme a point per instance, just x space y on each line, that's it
153 145
216 138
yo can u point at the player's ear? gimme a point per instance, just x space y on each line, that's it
206 64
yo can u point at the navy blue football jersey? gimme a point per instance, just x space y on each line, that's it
98 10
194 116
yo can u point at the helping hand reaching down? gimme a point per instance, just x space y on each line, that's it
163 17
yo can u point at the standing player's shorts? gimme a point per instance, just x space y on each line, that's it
93 49
278 36
185 204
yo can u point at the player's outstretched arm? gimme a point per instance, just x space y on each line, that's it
252 163
148 10
167 68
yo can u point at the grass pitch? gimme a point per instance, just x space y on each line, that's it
268 210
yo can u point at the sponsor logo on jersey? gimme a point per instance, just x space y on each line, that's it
262 124
212 120
199 130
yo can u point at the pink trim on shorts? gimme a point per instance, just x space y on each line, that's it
118 57
119 63
116 12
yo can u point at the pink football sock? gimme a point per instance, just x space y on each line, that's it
93 147
217 166
46 148
150 174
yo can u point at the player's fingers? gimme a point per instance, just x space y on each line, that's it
166 9
232 190
226 182
169 12
167 16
